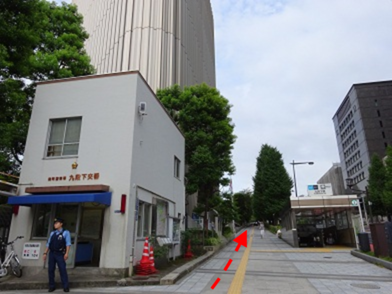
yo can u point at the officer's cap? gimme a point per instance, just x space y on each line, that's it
58 219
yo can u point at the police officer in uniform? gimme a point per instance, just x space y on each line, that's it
58 246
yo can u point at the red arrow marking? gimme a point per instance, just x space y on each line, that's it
216 283
228 264
242 240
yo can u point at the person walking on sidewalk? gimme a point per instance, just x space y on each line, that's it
58 246
261 227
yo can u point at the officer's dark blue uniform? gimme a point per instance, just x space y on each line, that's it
57 243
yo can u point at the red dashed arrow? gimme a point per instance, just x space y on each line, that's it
242 240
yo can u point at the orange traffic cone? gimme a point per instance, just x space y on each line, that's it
144 265
152 266
188 253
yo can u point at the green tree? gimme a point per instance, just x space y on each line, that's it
387 195
272 184
227 209
376 185
243 201
202 114
38 41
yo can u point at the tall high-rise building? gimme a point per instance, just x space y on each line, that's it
363 126
168 41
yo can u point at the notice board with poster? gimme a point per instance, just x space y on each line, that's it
161 218
31 250
176 230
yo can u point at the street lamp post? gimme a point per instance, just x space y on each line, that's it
295 180
362 195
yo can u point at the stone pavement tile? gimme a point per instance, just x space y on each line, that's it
271 266
171 288
222 287
321 257
267 255
364 269
214 264
348 286
220 264
197 277
224 255
260 284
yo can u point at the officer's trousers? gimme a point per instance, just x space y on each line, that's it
57 258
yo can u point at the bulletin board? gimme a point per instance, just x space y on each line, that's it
176 230
161 218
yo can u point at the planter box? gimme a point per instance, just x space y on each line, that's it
161 262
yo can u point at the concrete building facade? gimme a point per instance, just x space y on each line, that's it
334 176
102 153
363 127
169 41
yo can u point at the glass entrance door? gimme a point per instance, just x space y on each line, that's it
85 224
90 235
71 215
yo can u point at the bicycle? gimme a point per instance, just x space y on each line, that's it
11 260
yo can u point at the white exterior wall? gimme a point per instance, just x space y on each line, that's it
168 41
158 179
108 106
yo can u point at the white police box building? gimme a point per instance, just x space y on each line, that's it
103 154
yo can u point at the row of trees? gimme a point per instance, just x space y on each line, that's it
380 184
243 204
202 114
38 41
271 195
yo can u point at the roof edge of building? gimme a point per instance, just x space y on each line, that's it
94 76
355 85
371 83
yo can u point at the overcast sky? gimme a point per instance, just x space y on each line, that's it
286 66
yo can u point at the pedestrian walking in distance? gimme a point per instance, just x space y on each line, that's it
261 227
58 246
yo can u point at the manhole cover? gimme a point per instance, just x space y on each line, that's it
366 286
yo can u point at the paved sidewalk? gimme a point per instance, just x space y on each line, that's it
270 266
275 267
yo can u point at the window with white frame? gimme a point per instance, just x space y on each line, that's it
144 219
177 167
64 136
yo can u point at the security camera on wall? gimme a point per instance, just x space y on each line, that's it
142 108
